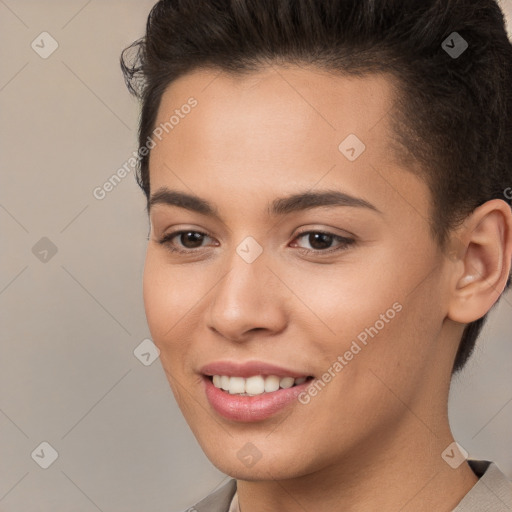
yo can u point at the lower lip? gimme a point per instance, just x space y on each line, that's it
251 408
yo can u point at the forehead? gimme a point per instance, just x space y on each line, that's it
287 108
280 128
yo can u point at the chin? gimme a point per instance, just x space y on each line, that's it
247 464
259 472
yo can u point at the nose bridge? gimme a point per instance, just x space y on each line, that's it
243 299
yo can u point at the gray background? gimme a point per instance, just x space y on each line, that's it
70 324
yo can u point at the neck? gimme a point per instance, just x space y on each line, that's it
394 470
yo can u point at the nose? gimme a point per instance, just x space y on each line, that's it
248 299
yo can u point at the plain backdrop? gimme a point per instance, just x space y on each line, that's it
70 287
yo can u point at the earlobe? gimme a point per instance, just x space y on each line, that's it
482 266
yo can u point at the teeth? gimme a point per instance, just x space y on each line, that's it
271 383
236 385
286 382
255 385
224 383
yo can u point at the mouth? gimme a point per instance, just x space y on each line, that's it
254 398
256 384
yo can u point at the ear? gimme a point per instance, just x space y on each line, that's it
481 262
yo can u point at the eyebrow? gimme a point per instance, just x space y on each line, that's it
281 206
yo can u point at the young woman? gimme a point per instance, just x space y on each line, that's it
326 183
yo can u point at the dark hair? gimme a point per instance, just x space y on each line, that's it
453 115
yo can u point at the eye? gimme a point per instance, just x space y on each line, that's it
321 241
188 240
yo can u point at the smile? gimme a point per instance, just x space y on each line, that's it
255 385
240 406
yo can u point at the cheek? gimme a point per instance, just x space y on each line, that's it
169 293
368 309
345 298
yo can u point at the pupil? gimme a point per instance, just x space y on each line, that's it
320 240
193 237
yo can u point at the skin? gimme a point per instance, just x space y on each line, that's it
372 439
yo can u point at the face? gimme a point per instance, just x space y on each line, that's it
335 285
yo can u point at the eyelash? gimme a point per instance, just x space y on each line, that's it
344 242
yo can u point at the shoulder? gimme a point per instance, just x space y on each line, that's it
217 501
492 492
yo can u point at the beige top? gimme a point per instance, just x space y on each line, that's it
492 493
233 507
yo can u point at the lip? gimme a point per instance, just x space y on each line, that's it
248 369
251 408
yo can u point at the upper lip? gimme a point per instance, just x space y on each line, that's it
248 369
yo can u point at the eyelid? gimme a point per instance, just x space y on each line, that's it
327 231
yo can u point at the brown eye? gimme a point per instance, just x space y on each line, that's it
320 241
191 239
188 240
